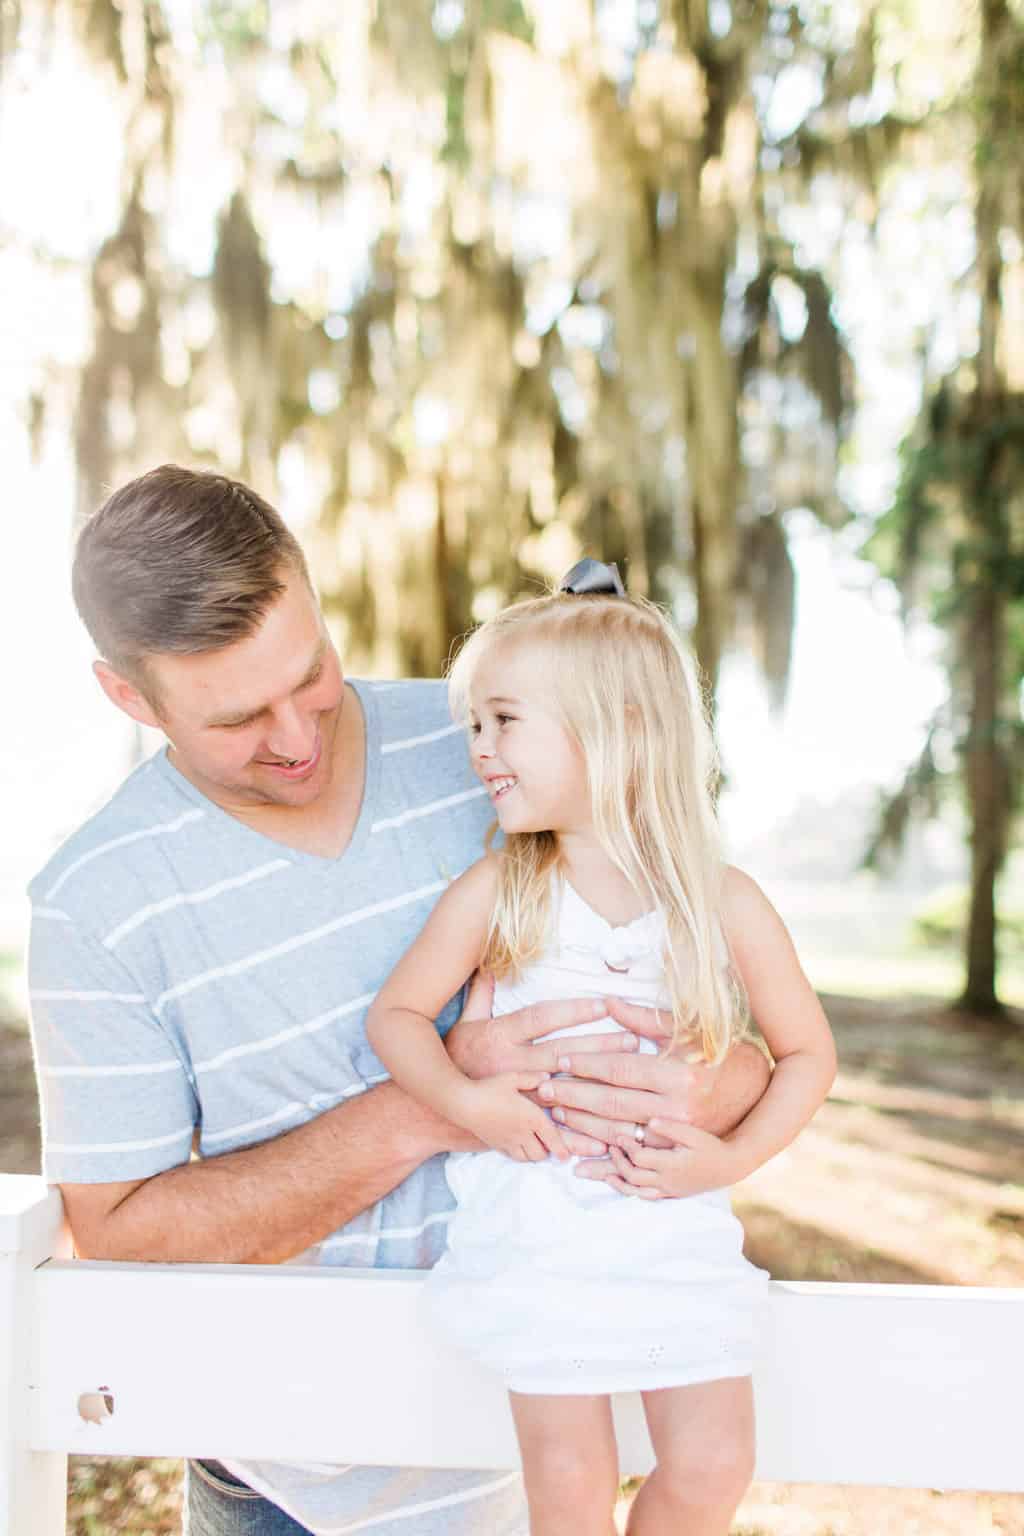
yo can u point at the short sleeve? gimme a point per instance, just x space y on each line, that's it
115 1097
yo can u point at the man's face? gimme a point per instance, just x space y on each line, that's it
255 723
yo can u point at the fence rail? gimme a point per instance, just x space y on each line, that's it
906 1386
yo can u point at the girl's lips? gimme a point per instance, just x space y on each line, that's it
497 788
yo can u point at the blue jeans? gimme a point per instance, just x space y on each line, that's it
217 1504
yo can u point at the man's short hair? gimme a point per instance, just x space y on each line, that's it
179 561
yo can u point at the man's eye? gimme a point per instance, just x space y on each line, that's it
314 677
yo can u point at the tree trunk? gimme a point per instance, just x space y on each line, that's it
985 635
986 799
712 451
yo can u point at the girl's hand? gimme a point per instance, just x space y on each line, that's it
690 1162
498 1111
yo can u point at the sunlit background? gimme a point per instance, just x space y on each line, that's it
731 293
472 290
859 696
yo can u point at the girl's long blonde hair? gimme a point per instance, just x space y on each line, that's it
628 692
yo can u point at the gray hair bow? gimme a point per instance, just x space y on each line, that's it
592 577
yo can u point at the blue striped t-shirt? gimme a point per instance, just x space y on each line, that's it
191 979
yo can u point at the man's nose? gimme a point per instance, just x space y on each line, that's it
291 735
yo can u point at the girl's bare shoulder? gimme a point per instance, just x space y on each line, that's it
477 883
748 916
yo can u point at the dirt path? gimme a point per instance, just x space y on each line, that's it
913 1172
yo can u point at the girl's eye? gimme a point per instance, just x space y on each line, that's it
504 719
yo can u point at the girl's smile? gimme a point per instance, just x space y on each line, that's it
532 767
498 787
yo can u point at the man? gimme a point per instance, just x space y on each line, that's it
205 947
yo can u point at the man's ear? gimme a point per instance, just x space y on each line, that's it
125 695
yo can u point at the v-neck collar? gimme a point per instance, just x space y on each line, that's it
364 821
592 912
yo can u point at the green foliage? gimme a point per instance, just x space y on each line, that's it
237 27
818 352
484 279
12 971
953 541
941 923
998 103
507 16
954 525
920 791
767 581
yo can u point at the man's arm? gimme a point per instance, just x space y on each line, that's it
266 1203
114 1088
269 1202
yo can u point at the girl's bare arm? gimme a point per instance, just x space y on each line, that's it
399 1024
400 1027
786 1009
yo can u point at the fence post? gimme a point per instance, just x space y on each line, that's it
33 1485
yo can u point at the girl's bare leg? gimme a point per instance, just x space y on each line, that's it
570 1463
703 1438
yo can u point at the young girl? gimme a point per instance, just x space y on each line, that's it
586 727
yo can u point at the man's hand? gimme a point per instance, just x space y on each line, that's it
606 1095
482 1046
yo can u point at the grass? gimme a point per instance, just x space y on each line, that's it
132 1498
907 972
12 984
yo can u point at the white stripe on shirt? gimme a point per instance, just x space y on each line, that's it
318 1104
261 956
54 912
285 1112
119 842
421 741
87 997
214 1063
428 810
120 1146
352 1239
131 1069
191 898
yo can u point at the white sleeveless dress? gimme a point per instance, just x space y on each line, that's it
562 1284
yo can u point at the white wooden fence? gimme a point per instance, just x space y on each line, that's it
907 1386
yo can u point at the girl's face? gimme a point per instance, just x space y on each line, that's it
532 768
